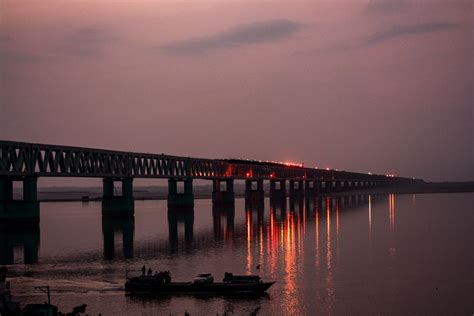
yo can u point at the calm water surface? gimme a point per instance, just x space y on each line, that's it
386 254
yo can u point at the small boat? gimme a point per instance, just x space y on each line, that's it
160 283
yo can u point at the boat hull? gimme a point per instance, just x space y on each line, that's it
149 286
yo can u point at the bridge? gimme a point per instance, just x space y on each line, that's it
26 162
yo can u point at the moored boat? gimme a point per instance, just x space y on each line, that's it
160 283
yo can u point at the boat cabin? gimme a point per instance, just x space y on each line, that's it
203 278
230 278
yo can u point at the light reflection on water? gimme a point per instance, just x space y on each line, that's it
328 255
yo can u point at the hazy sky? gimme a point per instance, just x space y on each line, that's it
380 86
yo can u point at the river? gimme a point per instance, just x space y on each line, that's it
377 254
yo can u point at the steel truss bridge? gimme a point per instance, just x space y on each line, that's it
19 159
27 162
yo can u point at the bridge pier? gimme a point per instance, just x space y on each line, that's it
118 204
326 186
347 186
311 187
276 204
254 196
221 197
180 200
22 211
296 188
337 186
277 191
14 236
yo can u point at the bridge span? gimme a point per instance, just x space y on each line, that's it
26 162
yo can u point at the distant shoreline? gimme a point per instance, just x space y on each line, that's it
84 195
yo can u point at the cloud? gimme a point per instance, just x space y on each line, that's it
385 6
86 41
376 38
262 32
402 30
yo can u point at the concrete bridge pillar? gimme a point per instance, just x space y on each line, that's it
183 200
277 190
17 236
346 185
296 188
25 210
118 203
312 187
254 194
223 197
337 186
276 204
296 204
328 186
318 185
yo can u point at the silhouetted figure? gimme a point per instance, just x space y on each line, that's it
150 272
143 270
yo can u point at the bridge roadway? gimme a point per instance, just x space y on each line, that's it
26 162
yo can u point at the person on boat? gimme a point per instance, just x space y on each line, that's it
150 272
143 270
167 277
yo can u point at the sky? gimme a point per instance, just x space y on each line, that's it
381 86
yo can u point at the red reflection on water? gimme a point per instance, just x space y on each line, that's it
317 237
300 236
290 261
248 222
391 210
272 237
370 214
328 221
329 277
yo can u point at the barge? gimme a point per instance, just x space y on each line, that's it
160 283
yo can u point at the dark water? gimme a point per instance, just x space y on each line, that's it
387 254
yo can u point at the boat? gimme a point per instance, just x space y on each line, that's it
160 283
